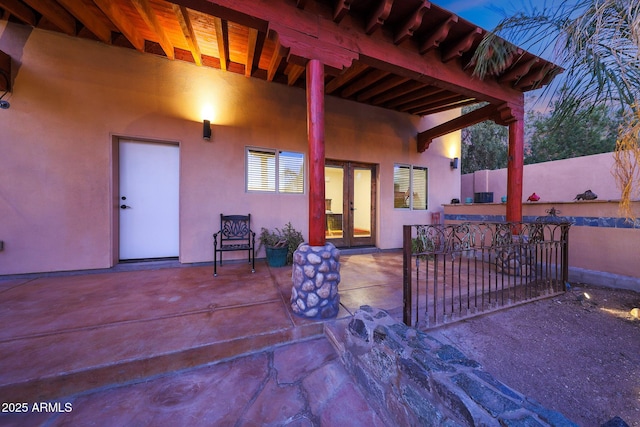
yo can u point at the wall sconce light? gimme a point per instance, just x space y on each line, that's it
454 163
206 130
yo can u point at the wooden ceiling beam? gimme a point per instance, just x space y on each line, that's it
532 78
463 45
515 53
149 16
252 40
466 120
427 107
445 107
398 92
20 11
363 83
341 10
182 15
518 71
279 52
303 42
91 17
554 71
414 95
379 16
293 72
412 23
120 20
56 14
427 101
351 73
389 84
438 36
221 30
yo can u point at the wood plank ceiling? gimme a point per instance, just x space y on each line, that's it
246 46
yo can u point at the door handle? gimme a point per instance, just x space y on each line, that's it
125 207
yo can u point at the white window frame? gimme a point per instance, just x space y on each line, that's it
412 192
276 179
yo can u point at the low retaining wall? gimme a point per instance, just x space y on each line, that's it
413 379
600 240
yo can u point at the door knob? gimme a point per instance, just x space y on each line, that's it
125 207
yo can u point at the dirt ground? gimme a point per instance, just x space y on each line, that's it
574 353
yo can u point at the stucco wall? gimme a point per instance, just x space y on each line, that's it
560 180
73 98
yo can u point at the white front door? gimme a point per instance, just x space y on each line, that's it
149 200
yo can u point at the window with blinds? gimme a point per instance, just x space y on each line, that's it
290 172
410 187
401 186
261 167
419 188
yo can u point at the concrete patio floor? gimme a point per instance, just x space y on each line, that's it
161 344
74 338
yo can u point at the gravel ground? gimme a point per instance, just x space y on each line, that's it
574 353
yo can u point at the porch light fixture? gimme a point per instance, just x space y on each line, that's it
454 163
206 130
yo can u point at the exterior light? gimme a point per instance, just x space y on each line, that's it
454 163
206 130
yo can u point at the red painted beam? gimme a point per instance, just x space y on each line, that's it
315 132
515 168
476 116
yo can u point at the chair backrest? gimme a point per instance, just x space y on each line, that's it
235 227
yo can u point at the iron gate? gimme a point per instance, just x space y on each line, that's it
456 271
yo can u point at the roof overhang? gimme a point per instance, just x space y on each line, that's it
410 56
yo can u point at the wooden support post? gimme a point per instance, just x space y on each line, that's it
515 169
315 132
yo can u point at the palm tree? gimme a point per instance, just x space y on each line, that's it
598 44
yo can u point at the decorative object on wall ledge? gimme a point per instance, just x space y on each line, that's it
587 195
454 163
483 197
206 130
533 198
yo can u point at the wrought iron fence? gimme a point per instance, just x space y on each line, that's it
457 271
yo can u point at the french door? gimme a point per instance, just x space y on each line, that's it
350 203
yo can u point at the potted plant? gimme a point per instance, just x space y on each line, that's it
280 244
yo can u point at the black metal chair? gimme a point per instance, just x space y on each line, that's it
235 235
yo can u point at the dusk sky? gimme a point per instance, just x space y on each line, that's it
487 13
